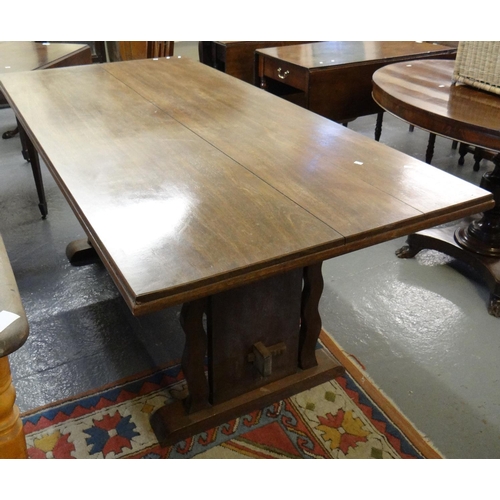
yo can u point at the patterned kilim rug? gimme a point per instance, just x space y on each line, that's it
345 418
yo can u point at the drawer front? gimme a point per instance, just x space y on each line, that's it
282 72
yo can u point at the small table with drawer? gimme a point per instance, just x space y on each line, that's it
334 79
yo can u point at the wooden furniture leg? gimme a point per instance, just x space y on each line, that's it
378 125
24 142
478 156
22 136
432 137
34 159
12 440
260 343
430 148
463 149
310 319
194 355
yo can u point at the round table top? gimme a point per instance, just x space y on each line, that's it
423 94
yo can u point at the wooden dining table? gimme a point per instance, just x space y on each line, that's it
424 94
334 78
16 57
196 188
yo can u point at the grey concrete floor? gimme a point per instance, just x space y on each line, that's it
419 326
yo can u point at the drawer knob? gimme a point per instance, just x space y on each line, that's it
284 75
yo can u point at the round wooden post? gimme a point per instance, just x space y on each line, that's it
12 439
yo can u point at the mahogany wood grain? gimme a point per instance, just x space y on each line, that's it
215 183
299 153
154 195
333 79
422 93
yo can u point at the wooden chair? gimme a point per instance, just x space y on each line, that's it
12 337
160 49
127 51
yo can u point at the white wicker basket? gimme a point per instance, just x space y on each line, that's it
478 64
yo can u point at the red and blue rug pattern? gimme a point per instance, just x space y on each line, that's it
334 420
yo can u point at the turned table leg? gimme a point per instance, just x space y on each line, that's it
429 153
12 440
378 125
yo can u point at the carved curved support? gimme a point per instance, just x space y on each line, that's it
10 133
81 252
310 324
407 252
12 440
193 357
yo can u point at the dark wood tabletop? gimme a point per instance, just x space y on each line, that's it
29 56
320 55
423 94
205 181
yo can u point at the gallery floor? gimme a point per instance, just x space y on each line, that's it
419 326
